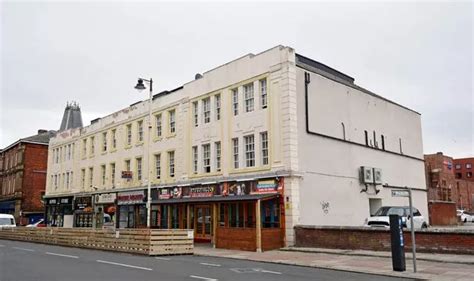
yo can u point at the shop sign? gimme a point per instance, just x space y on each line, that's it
52 201
81 203
127 175
205 191
131 197
167 193
56 201
266 186
105 198
237 189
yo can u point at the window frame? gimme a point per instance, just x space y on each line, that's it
249 97
249 149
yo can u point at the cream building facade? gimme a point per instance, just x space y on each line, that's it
267 141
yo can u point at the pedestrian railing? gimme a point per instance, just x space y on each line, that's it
138 241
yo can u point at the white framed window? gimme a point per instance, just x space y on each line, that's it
70 179
158 166
468 165
91 176
67 180
264 144
114 138
235 101
206 158
139 168
92 145
195 159
172 121
217 99
249 142
196 114
249 99
140 131
171 163
103 171
112 174
206 110
217 146
263 92
235 152
104 141
127 165
129 134
158 125
84 147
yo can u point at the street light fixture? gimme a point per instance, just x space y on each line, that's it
140 87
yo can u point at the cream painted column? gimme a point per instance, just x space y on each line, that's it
258 227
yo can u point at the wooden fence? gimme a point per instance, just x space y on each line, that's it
137 241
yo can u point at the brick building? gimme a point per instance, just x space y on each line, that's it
444 183
463 168
23 166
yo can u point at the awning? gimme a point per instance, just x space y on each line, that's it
251 197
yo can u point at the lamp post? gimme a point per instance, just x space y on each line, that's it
140 87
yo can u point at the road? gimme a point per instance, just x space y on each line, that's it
22 261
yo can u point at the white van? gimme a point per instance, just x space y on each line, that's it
7 220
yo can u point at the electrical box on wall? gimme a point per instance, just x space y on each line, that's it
369 175
377 176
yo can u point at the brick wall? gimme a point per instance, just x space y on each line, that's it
34 177
442 213
364 238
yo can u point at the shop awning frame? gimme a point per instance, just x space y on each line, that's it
251 197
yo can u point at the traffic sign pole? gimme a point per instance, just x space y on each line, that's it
413 244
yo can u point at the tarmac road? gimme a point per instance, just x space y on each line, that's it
22 261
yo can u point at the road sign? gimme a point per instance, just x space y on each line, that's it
400 193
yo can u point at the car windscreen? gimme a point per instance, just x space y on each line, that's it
6 221
386 211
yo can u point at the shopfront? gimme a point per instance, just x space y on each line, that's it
131 211
104 210
7 207
83 212
237 215
59 211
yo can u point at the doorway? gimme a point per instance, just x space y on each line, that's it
203 222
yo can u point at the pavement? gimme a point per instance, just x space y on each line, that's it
429 266
23 261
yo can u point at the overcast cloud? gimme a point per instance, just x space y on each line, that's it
419 54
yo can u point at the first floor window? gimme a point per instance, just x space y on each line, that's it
206 156
235 152
158 125
217 146
195 159
172 121
171 163
249 151
91 176
140 131
235 101
103 174
112 174
218 107
206 109
139 169
264 142
263 93
249 99
158 166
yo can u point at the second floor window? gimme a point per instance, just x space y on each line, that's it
139 169
129 134
84 147
206 109
249 151
218 107
235 101
195 114
92 145
263 93
248 95
158 125
235 152
195 159
206 157
171 163
158 166
217 146
114 138
264 142
140 131
172 119
104 141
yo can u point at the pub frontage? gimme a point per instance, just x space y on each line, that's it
59 211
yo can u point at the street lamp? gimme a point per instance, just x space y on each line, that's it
140 87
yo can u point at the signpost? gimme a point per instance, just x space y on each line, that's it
407 193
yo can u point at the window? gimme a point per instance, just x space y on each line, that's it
139 168
195 159
55 181
236 215
158 125
270 214
158 166
249 151
83 178
104 141
127 165
248 95
129 134
458 166
171 163
206 158
68 152
235 101
217 146
70 178
91 176
84 147
102 170
383 142
114 138
172 117
195 114
468 165
235 152
469 174
67 180
458 175
366 138
140 131
218 107
206 109
112 174
263 92
92 146
264 142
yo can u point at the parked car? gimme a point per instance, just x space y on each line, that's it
7 220
39 223
464 216
381 217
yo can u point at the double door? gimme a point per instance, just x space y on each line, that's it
203 222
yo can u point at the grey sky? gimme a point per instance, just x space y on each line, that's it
419 54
